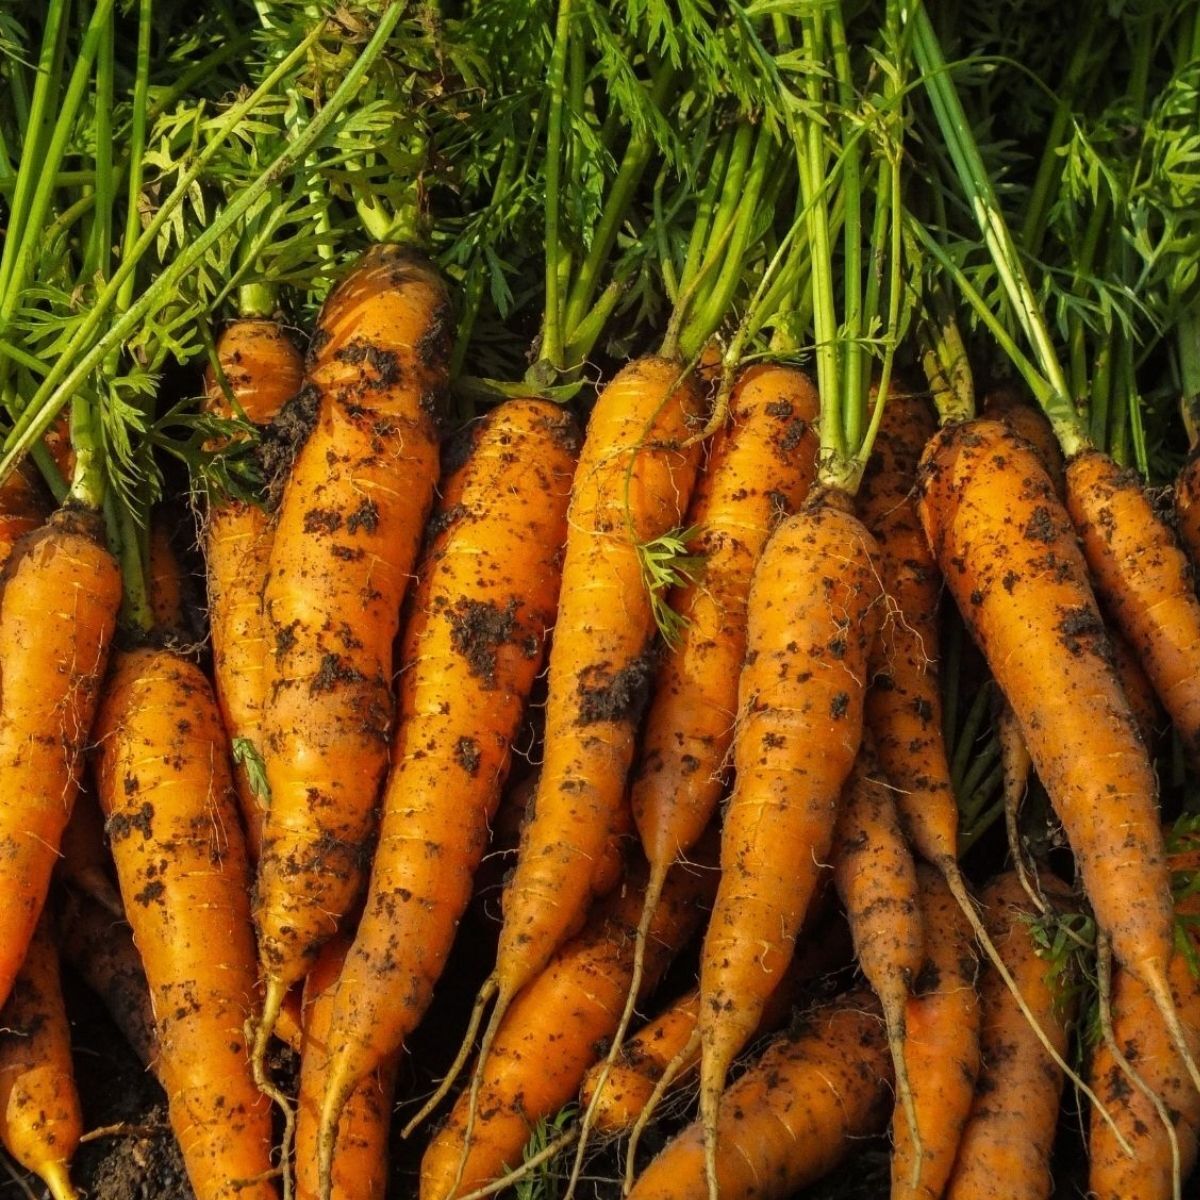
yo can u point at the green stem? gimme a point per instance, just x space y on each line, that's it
87 484
137 144
976 183
74 367
1187 345
553 336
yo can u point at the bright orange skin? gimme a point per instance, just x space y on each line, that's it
346 540
22 508
645 1056
941 1045
759 469
1139 691
1008 406
904 704
40 1118
472 647
360 1160
57 615
264 370
793 1116
1015 570
1145 581
815 608
1139 1031
164 583
1004 1153
1187 507
876 878
558 1027
632 485
165 785
101 950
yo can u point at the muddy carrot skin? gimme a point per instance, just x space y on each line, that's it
23 508
100 948
346 540
815 608
1139 1031
904 704
1005 1149
57 615
165 785
40 1118
263 371
557 1027
360 1159
759 469
473 645
645 1057
941 1045
1145 581
1187 507
1006 405
1015 570
793 1116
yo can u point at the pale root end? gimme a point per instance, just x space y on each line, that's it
503 1000
893 1016
338 1091
644 1117
1104 971
1155 978
57 1180
272 1005
712 1083
486 992
958 889
654 889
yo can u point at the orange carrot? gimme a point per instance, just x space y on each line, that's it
360 1161
86 863
815 609
632 485
346 539
1143 1038
473 645
556 1030
164 580
165 785
1139 691
40 1119
57 615
1006 405
1145 581
1187 506
1015 570
876 878
1005 1149
646 1056
793 1116
263 370
22 508
904 704
100 948
941 1045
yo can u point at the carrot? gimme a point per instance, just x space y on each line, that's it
1015 570
346 539
556 1030
165 785
473 645
1006 405
360 1161
1145 581
85 862
1187 506
941 1045
815 610
876 878
22 508
164 581
1147 1044
263 370
1005 1148
645 1057
631 487
40 1119
793 1116
100 948
1139 691
57 615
